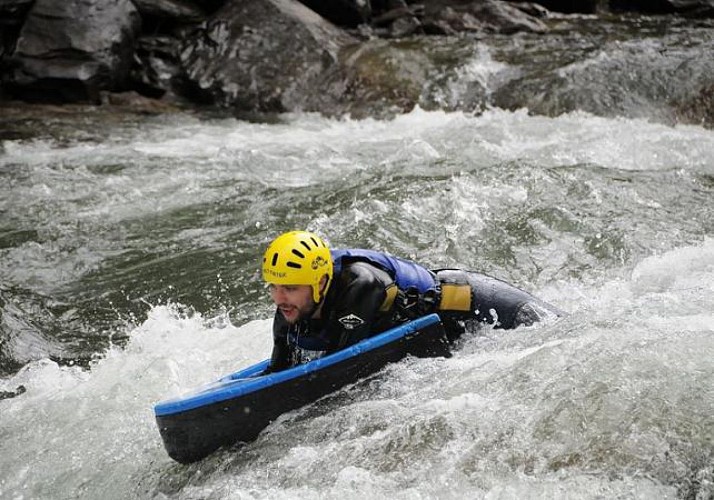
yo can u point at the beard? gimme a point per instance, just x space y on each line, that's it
294 314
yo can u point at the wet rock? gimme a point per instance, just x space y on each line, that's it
13 11
453 16
266 55
690 8
666 78
13 394
27 330
156 70
533 9
157 67
137 103
177 10
14 8
697 108
405 26
12 16
271 56
349 13
389 77
694 8
400 20
384 78
569 6
71 50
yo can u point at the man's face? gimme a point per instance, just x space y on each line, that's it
293 301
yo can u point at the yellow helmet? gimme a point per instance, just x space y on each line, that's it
298 258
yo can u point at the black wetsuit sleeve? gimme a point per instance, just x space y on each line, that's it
356 311
280 357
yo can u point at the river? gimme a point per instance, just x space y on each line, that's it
129 251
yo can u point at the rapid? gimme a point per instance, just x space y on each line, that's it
129 253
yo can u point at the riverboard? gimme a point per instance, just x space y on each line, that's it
237 407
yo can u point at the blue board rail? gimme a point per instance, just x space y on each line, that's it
250 380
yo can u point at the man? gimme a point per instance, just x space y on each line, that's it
329 299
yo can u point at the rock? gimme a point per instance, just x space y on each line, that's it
567 6
404 26
177 10
13 394
533 9
400 18
69 51
12 16
689 8
342 12
384 78
267 56
137 103
13 12
157 68
666 79
693 8
698 109
453 16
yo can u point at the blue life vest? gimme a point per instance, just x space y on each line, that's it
405 273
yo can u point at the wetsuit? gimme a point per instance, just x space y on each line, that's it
372 292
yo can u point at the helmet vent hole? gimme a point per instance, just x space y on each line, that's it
294 265
275 258
298 253
314 241
305 245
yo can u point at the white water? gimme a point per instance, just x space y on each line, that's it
615 401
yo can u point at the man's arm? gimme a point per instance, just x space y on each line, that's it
357 309
280 357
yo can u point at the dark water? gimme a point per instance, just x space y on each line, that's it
129 250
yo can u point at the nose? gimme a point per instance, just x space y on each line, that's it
277 293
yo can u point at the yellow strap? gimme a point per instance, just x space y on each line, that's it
455 297
391 292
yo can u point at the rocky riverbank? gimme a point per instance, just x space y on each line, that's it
378 58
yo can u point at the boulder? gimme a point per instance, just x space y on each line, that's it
266 56
157 69
698 108
453 16
693 7
342 12
534 9
70 50
569 6
667 79
384 77
179 10
398 20
12 16
689 8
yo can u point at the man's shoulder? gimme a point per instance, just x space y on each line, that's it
362 268
365 274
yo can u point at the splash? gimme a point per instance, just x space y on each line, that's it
91 433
